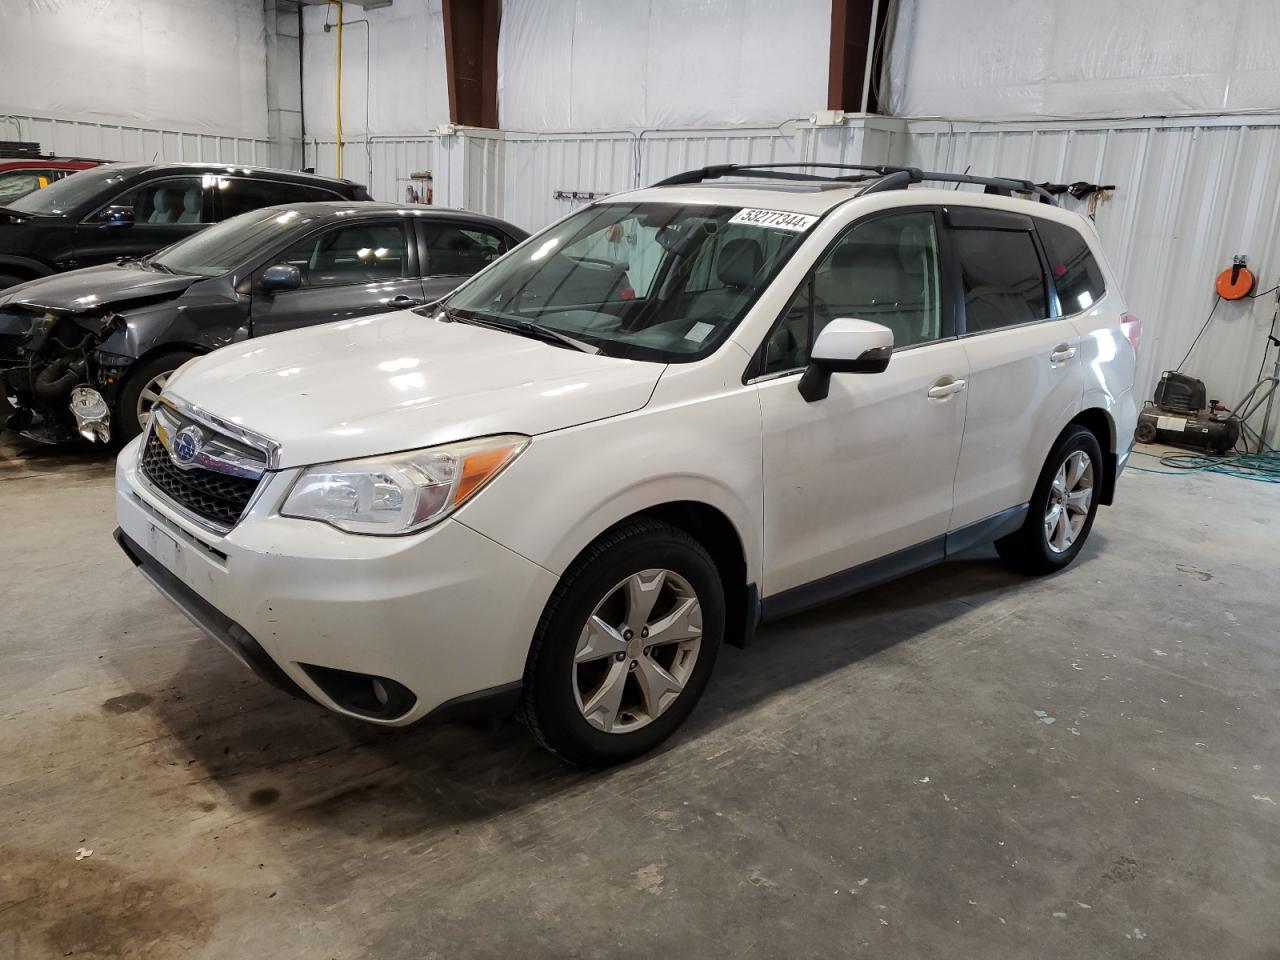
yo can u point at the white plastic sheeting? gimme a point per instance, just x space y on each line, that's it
178 65
1084 58
394 67
620 64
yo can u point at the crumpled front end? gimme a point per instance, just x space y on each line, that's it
48 371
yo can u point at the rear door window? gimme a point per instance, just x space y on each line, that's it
1076 273
1002 278
461 249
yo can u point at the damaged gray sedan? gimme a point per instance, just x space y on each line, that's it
87 353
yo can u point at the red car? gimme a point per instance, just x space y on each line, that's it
22 175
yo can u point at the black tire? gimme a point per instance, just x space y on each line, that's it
1028 550
11 280
124 418
549 705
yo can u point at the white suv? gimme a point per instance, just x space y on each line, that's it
668 416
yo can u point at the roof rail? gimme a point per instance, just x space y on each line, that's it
884 177
776 171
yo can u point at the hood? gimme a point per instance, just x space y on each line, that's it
400 381
10 215
91 289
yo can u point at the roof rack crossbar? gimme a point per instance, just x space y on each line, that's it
715 171
885 177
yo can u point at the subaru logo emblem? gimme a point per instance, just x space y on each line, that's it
186 446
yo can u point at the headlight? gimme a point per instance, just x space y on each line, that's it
402 492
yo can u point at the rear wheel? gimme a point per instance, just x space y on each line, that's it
626 645
141 390
1062 507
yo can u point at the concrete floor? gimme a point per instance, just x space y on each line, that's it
965 764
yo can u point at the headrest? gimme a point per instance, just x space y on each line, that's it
191 200
739 262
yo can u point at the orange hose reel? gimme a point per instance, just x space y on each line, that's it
1235 282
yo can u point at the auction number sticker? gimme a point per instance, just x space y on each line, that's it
778 219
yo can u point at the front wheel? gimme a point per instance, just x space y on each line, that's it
1062 507
142 388
625 646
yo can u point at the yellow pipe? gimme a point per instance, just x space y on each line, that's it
338 4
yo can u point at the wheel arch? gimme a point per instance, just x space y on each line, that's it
161 350
712 527
1099 422
28 268
129 375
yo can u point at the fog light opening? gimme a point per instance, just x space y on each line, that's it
364 694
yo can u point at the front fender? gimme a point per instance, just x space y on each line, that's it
571 486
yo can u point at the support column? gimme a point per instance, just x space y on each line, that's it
284 84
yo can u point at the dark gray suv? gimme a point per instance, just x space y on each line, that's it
88 352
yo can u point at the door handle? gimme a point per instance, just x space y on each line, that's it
403 301
1062 353
945 387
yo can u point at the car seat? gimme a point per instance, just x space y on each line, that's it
160 210
866 281
191 203
738 263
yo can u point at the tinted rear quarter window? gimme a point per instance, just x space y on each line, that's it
1076 273
1003 280
237 195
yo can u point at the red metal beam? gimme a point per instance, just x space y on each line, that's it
471 60
851 43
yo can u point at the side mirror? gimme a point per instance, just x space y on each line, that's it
845 345
117 217
280 276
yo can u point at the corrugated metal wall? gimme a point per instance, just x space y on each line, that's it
383 164
1189 194
112 141
539 165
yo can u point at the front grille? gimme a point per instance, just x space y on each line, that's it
216 497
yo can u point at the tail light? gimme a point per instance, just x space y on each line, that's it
1132 328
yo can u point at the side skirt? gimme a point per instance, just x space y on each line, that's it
987 530
894 565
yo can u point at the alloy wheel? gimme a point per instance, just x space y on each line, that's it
1070 497
151 391
637 651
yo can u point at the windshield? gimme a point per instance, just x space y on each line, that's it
648 281
225 246
59 199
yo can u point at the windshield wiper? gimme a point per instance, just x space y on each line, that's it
523 328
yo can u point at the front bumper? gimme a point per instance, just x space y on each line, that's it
446 614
